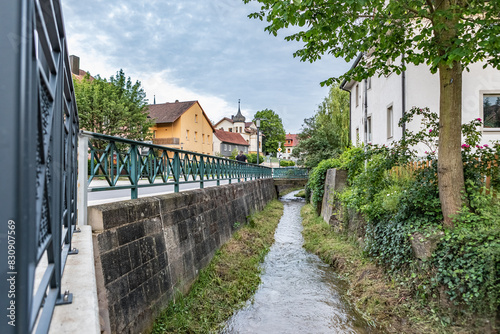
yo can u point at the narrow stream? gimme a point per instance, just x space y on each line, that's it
298 292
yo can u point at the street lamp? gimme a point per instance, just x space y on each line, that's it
257 121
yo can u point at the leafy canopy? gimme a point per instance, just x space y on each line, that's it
116 107
271 126
326 134
419 29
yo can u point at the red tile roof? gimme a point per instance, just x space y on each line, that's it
81 75
168 112
230 137
293 138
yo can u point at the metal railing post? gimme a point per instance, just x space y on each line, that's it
83 172
133 172
202 171
177 171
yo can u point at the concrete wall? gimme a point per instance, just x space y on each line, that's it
284 184
334 213
147 249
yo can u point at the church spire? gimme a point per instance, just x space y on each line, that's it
239 117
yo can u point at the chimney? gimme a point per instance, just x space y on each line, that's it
74 63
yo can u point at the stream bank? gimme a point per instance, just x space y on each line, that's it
379 297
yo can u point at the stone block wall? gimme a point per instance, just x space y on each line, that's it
334 213
147 249
335 181
285 184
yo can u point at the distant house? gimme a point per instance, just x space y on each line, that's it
248 130
377 104
182 125
226 142
291 140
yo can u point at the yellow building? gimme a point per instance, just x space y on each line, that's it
182 125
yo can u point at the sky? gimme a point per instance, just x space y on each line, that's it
202 50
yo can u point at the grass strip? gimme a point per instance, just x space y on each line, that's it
231 278
383 302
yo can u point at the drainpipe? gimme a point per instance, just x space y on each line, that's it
350 111
403 95
366 112
342 86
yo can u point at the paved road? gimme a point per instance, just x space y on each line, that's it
108 196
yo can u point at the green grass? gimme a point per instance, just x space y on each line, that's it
382 300
231 278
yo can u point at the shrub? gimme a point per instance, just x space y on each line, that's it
287 163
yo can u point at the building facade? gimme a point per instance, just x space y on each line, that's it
377 103
291 140
182 125
226 142
238 124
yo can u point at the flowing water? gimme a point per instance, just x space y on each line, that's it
298 292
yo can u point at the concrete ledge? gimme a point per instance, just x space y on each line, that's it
81 316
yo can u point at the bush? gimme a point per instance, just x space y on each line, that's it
287 163
397 201
252 158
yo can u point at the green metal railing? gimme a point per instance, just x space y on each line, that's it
290 173
139 164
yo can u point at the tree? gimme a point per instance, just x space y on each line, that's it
115 107
326 134
447 35
272 128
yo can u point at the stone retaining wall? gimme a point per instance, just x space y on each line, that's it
147 249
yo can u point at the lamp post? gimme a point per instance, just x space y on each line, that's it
257 121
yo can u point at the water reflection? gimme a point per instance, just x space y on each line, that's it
298 293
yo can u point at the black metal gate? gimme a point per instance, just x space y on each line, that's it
38 150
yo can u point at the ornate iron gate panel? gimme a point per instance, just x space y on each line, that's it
38 146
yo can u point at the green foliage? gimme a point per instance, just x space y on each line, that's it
252 158
271 126
116 107
326 134
234 153
425 32
287 163
316 182
397 202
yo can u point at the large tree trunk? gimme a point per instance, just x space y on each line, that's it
450 166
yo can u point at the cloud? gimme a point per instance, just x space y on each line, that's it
198 50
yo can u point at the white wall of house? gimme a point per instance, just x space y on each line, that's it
250 138
422 90
216 142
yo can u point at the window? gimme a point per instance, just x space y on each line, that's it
195 135
230 129
240 130
154 133
491 111
357 136
369 129
369 83
187 134
390 128
203 138
357 95
225 147
196 118
208 138
287 150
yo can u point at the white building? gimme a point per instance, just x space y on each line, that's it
386 97
248 130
